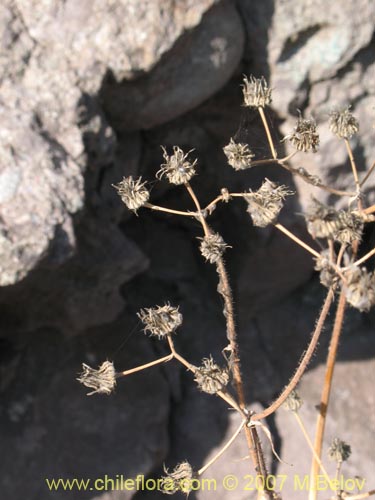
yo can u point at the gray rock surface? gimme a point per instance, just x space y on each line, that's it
197 66
318 57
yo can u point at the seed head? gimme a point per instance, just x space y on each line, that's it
293 402
238 154
340 225
212 247
102 380
328 276
176 167
304 137
339 451
360 288
350 227
180 479
256 92
160 321
133 192
343 123
265 204
210 377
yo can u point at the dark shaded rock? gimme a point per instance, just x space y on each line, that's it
51 429
197 66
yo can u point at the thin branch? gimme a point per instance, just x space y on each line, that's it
304 362
371 169
223 449
297 240
369 210
169 210
355 172
311 446
331 359
268 133
360 496
319 185
364 258
165 359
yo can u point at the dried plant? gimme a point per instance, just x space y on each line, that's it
339 233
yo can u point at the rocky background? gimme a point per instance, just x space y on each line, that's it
89 90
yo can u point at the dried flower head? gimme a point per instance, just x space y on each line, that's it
176 167
133 192
321 220
256 92
349 227
212 247
304 137
340 225
339 451
180 479
238 154
160 320
293 402
102 380
210 377
360 288
343 123
328 276
265 204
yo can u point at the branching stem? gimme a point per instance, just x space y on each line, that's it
331 359
303 364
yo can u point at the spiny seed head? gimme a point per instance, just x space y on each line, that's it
293 402
238 154
339 451
321 220
328 276
265 204
304 137
340 225
133 192
212 247
350 227
180 479
102 380
360 288
210 377
256 92
160 321
177 168
343 123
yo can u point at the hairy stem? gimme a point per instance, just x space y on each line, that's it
324 400
303 364
226 292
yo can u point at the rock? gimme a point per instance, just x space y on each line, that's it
41 187
53 64
317 57
196 67
51 429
